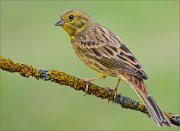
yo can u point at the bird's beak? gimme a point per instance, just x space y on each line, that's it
59 22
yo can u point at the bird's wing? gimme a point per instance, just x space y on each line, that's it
107 48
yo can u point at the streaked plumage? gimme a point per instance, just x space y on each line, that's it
103 51
99 46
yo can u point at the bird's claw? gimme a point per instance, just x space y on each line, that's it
108 90
87 83
113 92
86 89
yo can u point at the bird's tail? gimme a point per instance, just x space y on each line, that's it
153 109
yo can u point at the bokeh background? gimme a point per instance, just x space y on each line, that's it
28 35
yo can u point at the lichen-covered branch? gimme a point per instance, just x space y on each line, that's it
63 78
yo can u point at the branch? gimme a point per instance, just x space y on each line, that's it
63 78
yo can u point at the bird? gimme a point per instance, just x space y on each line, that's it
102 50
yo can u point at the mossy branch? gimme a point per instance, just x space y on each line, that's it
63 78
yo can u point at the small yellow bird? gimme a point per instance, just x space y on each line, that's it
102 50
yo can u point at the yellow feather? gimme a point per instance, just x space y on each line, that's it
72 37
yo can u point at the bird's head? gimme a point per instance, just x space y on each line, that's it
74 21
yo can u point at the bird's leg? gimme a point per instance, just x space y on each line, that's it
117 85
116 88
100 76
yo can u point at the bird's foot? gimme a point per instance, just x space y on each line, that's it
114 94
111 91
88 81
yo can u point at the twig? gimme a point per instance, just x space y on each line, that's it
78 84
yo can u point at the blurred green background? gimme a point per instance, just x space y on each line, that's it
28 35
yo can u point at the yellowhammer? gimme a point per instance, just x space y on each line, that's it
102 50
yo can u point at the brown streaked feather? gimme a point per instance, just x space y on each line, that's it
153 109
108 49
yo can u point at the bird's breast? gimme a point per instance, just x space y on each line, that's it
84 54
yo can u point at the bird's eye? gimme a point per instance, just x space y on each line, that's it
71 17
